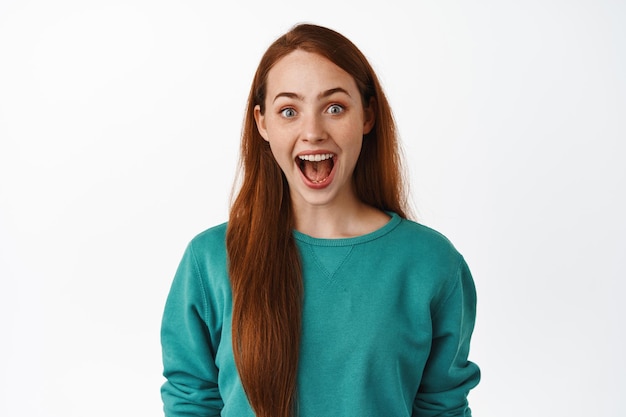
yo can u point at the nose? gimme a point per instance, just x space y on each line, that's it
313 129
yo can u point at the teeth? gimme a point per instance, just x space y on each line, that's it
316 158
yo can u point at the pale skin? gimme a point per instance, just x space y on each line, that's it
314 108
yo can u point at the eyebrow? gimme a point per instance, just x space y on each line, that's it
324 94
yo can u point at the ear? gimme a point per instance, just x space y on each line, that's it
259 118
369 116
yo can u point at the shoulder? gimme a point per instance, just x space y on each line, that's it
419 238
425 251
211 239
207 250
434 256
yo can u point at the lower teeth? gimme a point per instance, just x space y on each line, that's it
319 181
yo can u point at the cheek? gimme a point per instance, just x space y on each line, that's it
281 154
280 138
354 140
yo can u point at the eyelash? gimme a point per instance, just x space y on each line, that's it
283 112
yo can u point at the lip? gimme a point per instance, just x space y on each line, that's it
329 179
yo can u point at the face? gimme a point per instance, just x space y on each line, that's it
314 121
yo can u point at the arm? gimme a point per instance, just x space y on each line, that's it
448 375
188 354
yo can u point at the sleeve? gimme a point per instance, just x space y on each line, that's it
448 375
188 355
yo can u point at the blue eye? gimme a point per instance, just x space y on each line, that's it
335 109
289 112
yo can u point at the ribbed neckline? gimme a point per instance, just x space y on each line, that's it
350 241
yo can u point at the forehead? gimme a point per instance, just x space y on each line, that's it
307 72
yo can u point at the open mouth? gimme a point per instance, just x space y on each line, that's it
316 168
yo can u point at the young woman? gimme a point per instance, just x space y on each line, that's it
319 298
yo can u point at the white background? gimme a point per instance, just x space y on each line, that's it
119 132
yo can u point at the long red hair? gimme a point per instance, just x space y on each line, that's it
263 260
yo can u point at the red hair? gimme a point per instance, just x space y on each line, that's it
263 260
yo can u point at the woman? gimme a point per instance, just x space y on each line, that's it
319 298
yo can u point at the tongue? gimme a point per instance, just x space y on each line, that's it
317 171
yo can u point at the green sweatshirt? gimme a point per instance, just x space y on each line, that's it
387 322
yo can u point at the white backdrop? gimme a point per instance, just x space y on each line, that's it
119 130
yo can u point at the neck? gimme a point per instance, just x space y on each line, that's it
335 221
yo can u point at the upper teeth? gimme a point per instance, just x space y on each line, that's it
316 158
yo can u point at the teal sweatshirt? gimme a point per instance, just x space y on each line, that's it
387 322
